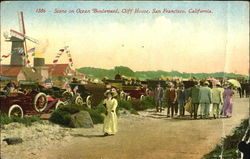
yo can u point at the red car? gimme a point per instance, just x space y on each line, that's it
20 104
137 92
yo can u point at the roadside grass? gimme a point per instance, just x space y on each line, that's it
230 144
26 120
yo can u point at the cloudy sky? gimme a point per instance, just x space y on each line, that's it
190 42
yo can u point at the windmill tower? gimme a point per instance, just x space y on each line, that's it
19 46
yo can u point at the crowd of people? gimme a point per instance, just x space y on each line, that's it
200 100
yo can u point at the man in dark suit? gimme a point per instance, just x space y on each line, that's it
194 94
181 99
158 93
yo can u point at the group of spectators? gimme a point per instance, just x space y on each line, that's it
199 100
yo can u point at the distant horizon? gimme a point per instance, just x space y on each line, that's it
165 71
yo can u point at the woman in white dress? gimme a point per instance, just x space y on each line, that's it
110 119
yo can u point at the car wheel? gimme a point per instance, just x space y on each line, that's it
128 98
15 111
40 102
67 95
142 97
59 104
88 102
147 91
79 100
122 95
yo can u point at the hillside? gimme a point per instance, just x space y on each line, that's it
143 75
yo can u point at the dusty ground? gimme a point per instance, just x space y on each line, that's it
147 136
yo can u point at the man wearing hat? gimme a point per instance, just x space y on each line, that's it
205 97
171 99
158 93
194 94
110 119
217 100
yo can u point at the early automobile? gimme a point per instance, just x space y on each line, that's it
27 103
137 92
54 92
128 89
79 94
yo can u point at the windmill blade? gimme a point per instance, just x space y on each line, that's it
6 35
21 22
16 34
31 39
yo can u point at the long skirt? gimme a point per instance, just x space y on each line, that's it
227 107
110 123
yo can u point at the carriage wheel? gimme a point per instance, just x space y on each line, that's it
40 102
88 101
15 111
67 96
59 104
142 97
79 100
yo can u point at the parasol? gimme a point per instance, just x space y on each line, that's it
213 80
234 83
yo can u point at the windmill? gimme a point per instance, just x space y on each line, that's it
19 45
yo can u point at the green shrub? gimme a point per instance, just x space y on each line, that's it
230 144
26 120
124 104
149 102
72 108
5 119
138 105
63 114
60 117
96 116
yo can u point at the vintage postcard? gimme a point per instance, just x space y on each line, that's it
124 80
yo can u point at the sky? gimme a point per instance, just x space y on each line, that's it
190 42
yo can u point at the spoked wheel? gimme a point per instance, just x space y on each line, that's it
79 100
88 102
122 95
142 97
128 98
67 96
15 111
40 102
59 104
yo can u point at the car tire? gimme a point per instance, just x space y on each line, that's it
122 95
17 107
128 98
58 104
88 102
40 95
142 97
67 95
78 100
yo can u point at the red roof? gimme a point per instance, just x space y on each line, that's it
9 70
58 69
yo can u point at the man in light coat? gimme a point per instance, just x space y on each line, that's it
217 100
205 96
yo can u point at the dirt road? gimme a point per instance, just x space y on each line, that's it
151 136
